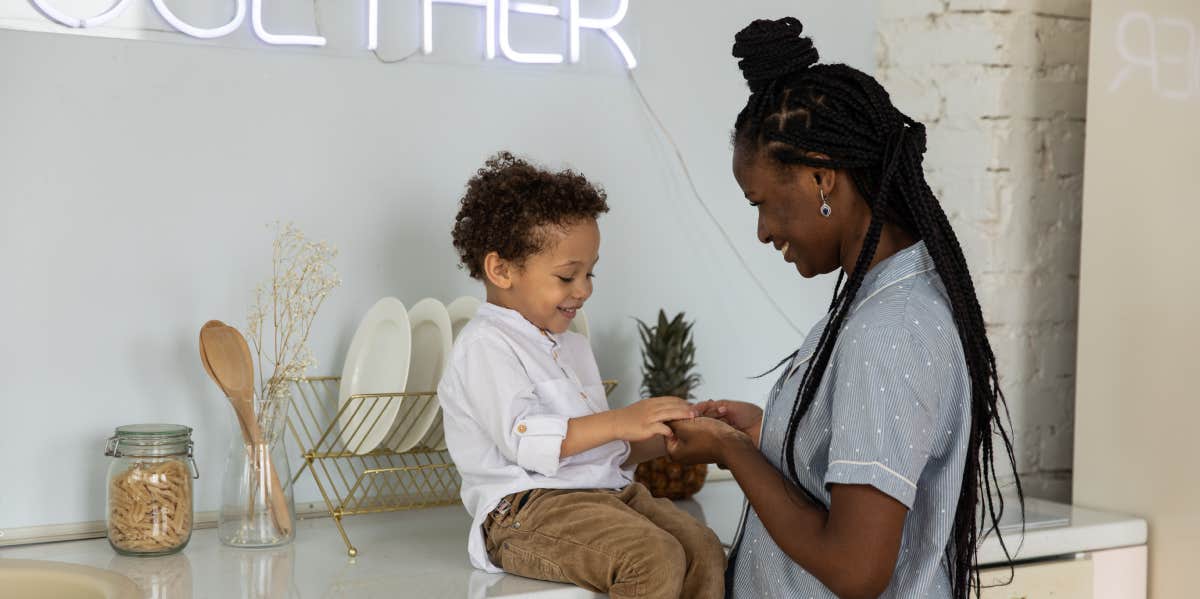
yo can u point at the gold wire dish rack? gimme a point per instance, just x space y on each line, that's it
352 481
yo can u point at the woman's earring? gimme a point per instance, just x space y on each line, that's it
826 209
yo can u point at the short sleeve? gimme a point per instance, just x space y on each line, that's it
884 410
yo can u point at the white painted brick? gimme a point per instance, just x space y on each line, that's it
915 94
1058 200
907 9
1002 300
972 91
1055 424
1061 243
982 5
1021 46
1001 85
957 147
977 195
1054 300
1075 9
1010 346
1062 41
950 40
1064 141
1055 348
1071 213
1018 145
1055 486
1046 98
979 249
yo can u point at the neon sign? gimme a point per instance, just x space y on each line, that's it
496 15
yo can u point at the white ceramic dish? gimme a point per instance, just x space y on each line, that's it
432 338
579 324
377 362
460 312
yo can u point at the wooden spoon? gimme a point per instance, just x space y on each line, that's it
232 366
208 368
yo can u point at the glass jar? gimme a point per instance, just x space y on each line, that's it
149 507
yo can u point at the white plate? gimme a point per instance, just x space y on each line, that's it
579 324
431 342
460 311
377 362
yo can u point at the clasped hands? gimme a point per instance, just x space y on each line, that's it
700 433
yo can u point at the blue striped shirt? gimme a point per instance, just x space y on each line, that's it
892 412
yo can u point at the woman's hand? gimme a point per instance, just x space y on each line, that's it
646 418
703 440
745 417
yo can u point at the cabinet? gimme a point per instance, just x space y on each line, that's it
1060 579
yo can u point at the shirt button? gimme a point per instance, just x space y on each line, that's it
521 428
583 395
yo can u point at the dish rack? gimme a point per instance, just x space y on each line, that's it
379 480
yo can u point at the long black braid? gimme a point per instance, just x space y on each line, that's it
797 107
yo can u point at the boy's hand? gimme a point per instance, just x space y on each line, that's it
646 418
745 417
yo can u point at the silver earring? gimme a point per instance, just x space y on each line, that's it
826 209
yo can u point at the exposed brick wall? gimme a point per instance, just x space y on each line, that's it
1001 86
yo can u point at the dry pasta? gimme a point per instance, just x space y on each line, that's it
150 507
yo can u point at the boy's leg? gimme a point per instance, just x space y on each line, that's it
705 577
589 538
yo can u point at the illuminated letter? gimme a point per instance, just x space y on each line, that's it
527 8
489 24
372 24
576 22
202 32
78 23
256 19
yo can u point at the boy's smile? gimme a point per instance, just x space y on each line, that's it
550 287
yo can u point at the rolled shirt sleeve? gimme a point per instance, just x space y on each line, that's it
884 401
503 403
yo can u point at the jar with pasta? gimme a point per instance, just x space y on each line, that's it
149 508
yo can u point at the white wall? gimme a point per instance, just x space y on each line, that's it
136 178
1002 87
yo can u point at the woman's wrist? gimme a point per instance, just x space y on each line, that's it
734 445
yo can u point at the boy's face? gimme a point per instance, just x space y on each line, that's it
555 282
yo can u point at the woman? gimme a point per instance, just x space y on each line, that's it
864 473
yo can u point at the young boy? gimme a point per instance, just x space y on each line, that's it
546 466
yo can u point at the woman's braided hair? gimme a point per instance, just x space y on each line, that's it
797 108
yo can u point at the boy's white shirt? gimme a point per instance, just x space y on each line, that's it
506 397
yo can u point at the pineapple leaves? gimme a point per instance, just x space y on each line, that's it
668 357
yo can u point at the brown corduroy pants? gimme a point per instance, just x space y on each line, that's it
625 542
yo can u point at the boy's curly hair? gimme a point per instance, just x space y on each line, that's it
509 201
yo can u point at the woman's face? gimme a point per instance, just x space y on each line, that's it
789 211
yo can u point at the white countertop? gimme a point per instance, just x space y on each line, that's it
422 553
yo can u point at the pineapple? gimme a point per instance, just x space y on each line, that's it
668 357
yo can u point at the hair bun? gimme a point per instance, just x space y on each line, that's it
770 50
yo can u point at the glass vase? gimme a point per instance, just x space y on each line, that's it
257 506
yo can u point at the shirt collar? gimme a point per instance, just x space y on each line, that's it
905 264
517 322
